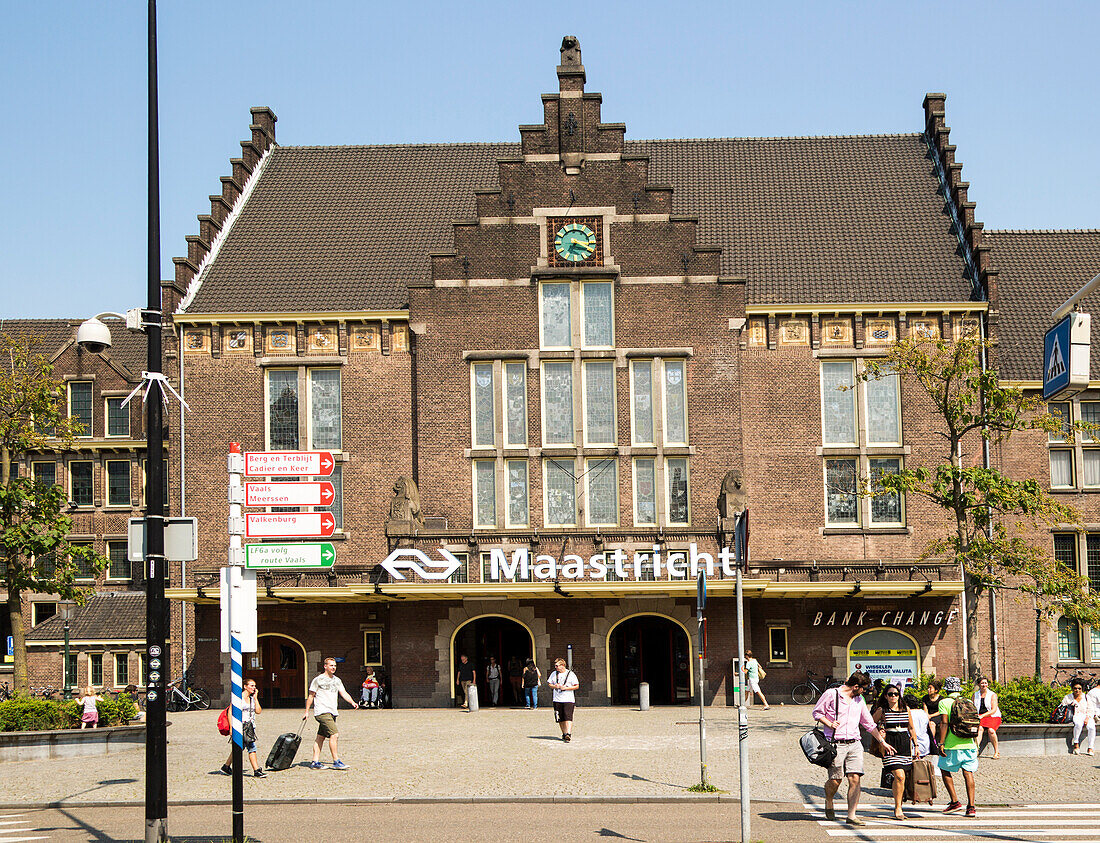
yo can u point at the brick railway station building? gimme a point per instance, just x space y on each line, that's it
560 354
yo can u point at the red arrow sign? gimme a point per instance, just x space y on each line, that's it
289 525
288 463
289 494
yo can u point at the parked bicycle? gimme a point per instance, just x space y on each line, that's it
1060 683
182 697
811 689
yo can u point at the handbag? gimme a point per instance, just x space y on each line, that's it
761 672
817 748
248 732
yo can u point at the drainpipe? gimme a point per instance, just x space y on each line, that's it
183 493
415 409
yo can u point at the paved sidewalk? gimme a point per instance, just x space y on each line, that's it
616 753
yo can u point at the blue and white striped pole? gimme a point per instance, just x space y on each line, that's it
233 632
237 664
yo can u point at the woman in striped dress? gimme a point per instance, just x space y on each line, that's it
892 716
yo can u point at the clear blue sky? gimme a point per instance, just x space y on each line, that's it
1021 79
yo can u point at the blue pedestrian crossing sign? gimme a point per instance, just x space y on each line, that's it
1066 357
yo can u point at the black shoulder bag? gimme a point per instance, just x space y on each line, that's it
817 748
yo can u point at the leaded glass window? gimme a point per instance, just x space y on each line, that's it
462 574
120 565
1065 550
883 420
95 669
517 494
1092 554
485 493
561 494
557 396
677 475
838 402
840 492
483 405
556 324
675 402
641 399
885 505
1069 640
325 422
599 402
122 670
44 473
645 492
647 569
118 417
603 492
598 314
282 409
1090 415
80 483
1060 410
337 507
118 483
84 566
515 403
80 405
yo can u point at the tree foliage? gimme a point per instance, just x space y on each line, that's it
34 530
995 519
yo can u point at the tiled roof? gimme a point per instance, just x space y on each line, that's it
106 616
127 348
826 219
1038 271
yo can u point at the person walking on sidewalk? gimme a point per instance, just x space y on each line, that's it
985 701
958 753
898 729
250 707
755 673
465 677
493 674
532 678
843 712
564 682
324 694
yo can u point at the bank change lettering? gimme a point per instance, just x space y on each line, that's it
289 494
288 463
289 525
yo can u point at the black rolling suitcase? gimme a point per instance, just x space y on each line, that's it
285 748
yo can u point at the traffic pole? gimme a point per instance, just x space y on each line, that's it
700 604
236 657
741 547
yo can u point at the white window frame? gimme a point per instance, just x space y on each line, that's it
90 432
583 313
102 674
901 495
572 443
108 574
842 525
508 441
129 502
668 493
589 467
786 643
866 419
478 524
77 577
35 620
546 491
309 370
572 307
34 474
267 401
474 367
588 442
855 404
656 492
634 440
665 405
119 683
69 472
375 630
107 399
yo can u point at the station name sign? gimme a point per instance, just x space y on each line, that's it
680 564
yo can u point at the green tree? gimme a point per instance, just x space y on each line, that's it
993 519
37 556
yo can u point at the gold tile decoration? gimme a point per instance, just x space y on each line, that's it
924 328
280 340
965 326
400 336
196 341
758 332
237 340
881 331
836 331
794 332
366 338
322 339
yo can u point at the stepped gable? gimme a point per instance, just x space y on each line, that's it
1038 271
106 616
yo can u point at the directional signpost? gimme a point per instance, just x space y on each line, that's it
289 494
288 463
297 555
289 525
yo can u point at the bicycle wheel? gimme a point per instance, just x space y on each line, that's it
802 694
200 700
172 702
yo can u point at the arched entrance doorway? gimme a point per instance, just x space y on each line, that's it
653 649
279 668
493 636
886 654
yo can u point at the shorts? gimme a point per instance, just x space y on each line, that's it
849 759
754 685
250 747
563 712
954 760
326 725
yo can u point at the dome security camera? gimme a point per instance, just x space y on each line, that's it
93 336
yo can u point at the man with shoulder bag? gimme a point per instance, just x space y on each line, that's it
842 712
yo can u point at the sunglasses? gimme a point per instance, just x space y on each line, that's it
892 694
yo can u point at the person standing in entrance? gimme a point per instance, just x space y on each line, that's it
958 753
324 694
492 674
564 682
465 677
532 677
755 673
843 712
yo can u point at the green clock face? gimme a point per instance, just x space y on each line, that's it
575 242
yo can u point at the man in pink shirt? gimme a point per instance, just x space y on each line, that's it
842 711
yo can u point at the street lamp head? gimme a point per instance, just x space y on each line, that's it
93 336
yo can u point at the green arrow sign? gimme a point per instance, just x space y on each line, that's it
304 555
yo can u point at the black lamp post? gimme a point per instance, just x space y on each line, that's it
66 608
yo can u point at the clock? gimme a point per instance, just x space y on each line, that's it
575 242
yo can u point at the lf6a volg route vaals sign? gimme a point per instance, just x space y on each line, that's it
293 555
